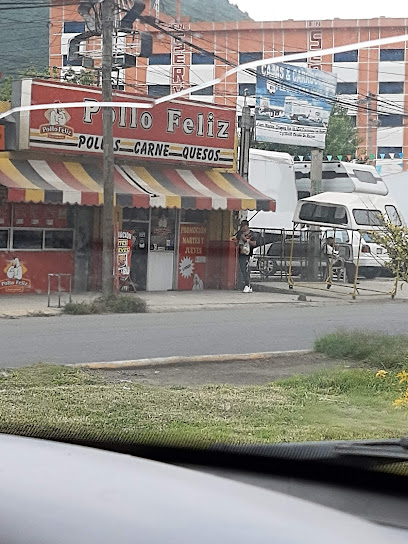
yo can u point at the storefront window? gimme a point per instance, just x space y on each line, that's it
193 216
163 229
27 239
4 239
59 239
135 215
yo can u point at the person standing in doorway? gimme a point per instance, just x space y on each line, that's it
246 242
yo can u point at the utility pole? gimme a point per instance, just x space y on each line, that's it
108 160
371 121
245 141
316 174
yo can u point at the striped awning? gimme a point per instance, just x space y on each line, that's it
135 186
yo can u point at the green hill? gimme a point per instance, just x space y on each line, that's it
209 10
23 39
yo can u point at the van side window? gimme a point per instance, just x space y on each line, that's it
364 176
393 215
318 213
373 218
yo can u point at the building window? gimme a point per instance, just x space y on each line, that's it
160 58
294 53
27 239
392 120
158 90
202 58
74 27
392 55
4 234
346 88
66 62
391 87
250 87
387 150
249 57
59 239
209 91
347 56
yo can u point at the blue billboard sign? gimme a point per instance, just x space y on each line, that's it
293 104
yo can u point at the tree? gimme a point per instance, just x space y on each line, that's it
83 77
341 138
394 238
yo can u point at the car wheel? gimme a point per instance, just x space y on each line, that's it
371 273
266 266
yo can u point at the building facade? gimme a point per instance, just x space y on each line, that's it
372 83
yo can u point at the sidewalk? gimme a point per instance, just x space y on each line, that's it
14 306
378 289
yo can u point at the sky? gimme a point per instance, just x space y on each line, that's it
272 10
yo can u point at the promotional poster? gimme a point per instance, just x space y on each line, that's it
192 256
293 104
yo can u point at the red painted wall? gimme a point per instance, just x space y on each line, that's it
30 273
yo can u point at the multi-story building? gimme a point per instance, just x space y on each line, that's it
372 81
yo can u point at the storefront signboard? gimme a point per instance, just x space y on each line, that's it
177 132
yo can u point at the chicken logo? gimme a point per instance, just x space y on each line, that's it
14 281
57 127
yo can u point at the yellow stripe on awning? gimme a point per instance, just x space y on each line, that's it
152 182
219 179
34 195
8 168
76 169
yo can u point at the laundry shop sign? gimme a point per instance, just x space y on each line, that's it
178 131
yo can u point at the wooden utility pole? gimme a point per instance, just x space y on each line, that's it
316 174
245 141
108 160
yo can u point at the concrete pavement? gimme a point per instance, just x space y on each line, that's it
242 329
14 306
265 293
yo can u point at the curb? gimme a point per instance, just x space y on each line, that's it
177 360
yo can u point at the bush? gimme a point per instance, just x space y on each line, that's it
377 349
112 304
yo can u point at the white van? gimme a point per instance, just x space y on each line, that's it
353 216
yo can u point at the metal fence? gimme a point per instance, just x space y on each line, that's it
272 254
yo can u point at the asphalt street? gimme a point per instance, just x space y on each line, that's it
74 339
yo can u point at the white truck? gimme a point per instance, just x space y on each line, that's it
278 176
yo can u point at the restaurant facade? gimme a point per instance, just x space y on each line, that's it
177 193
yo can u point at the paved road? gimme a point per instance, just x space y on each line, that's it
70 339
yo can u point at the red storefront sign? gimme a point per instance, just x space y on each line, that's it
27 271
192 258
175 132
